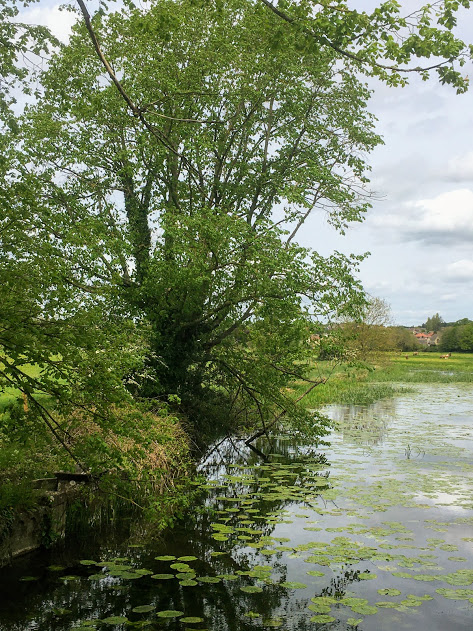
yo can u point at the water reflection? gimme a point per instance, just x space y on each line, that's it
364 426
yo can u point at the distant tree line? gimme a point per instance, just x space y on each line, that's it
373 333
458 336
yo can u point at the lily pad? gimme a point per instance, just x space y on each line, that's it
170 613
251 589
187 558
354 622
322 619
143 609
293 585
389 592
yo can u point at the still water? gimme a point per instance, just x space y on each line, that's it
373 532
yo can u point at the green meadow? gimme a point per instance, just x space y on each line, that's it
392 373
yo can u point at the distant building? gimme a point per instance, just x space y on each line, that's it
426 339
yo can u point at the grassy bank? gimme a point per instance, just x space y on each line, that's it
140 451
362 385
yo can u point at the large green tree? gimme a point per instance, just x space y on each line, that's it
193 217
171 160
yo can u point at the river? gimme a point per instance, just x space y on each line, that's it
372 532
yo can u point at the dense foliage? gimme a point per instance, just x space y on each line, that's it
458 337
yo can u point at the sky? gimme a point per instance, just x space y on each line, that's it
420 229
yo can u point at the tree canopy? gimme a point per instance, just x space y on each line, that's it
434 323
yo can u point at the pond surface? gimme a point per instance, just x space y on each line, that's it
373 533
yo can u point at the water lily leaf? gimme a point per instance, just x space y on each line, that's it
181 567
293 585
366 610
115 620
315 573
188 582
191 620
448 546
354 622
252 614
320 608
456 594
96 577
251 589
389 592
28 579
87 562
143 608
366 576
425 577
170 613
209 579
165 557
187 558
322 619
162 577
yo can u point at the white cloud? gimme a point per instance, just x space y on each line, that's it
446 218
58 21
448 297
460 168
460 270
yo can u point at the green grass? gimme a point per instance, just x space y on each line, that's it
8 396
426 368
362 386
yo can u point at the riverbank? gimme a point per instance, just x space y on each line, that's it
143 460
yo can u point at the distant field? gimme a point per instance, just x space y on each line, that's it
359 385
426 367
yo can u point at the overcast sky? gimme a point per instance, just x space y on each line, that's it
420 233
